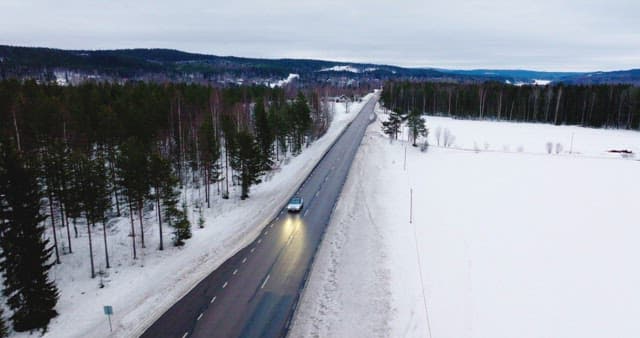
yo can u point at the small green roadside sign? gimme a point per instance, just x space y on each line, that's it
108 310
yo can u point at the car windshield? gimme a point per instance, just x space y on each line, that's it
295 200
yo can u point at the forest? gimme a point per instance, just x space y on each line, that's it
611 105
80 155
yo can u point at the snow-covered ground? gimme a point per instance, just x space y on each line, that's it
501 243
142 290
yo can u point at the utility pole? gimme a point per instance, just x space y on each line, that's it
410 205
404 165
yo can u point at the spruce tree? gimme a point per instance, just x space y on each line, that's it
96 201
230 147
209 154
416 124
133 170
392 126
161 180
175 217
300 117
248 162
26 255
264 134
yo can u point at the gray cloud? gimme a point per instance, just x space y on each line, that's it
542 34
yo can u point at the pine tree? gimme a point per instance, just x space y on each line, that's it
96 201
134 166
26 255
230 147
162 180
278 124
209 155
392 126
301 119
176 218
416 124
248 162
264 134
48 165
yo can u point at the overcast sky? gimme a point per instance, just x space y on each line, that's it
534 34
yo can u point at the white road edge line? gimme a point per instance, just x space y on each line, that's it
265 281
212 300
225 285
200 316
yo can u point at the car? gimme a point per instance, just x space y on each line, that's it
295 204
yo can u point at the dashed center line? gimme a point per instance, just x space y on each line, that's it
260 241
265 281
225 285
235 271
266 232
317 192
305 213
271 226
212 300
244 260
200 316
253 249
185 334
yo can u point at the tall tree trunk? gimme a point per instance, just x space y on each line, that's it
513 103
133 229
93 271
15 126
555 118
113 179
53 227
65 221
140 206
160 222
106 249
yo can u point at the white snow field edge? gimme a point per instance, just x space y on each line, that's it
141 291
501 244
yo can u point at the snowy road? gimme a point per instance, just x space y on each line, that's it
255 292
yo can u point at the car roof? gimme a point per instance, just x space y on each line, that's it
295 199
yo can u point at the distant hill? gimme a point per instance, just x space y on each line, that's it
174 65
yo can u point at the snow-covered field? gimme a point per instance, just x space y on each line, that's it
502 243
142 290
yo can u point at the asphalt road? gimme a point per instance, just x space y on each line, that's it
255 292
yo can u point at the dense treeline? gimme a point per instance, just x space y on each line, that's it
77 156
615 106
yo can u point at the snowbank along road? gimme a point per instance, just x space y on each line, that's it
255 292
